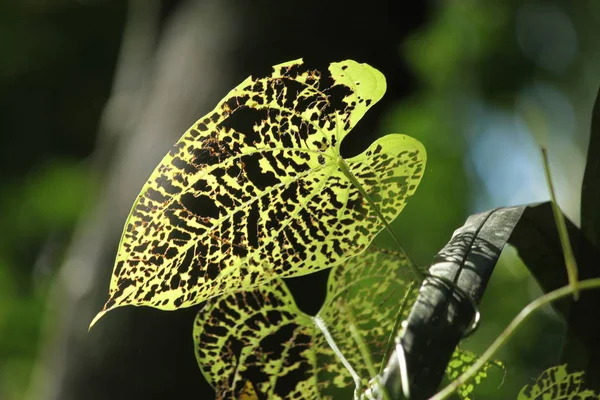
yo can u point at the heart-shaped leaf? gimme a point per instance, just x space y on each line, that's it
260 338
257 189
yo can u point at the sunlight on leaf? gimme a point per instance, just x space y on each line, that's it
556 384
258 182
248 392
260 336
461 361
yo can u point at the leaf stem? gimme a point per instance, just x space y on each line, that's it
510 330
355 377
360 343
559 219
363 348
344 167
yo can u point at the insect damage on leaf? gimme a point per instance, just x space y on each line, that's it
260 336
460 362
557 383
254 190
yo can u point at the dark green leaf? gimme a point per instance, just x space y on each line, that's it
590 191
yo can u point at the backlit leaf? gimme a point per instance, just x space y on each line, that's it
557 383
248 393
460 362
260 336
257 189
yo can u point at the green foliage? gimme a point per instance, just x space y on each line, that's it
43 208
259 340
230 208
556 383
459 363
261 336
54 197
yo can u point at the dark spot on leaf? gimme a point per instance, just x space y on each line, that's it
260 179
179 235
201 206
174 283
160 249
171 252
252 226
258 99
166 184
212 271
225 200
141 248
234 171
182 165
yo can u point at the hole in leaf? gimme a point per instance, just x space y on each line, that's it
309 290
258 177
201 206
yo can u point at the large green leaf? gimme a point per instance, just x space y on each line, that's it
261 337
556 383
257 189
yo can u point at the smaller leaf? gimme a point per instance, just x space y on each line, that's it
556 383
460 362
260 336
255 338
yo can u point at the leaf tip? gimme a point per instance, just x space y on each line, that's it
97 317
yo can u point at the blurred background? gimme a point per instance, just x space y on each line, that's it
94 92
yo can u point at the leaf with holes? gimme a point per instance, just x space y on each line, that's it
257 189
260 336
557 383
460 362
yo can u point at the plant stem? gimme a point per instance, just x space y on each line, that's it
355 377
510 330
561 226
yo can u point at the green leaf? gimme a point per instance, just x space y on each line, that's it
590 190
260 336
459 363
556 384
230 208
